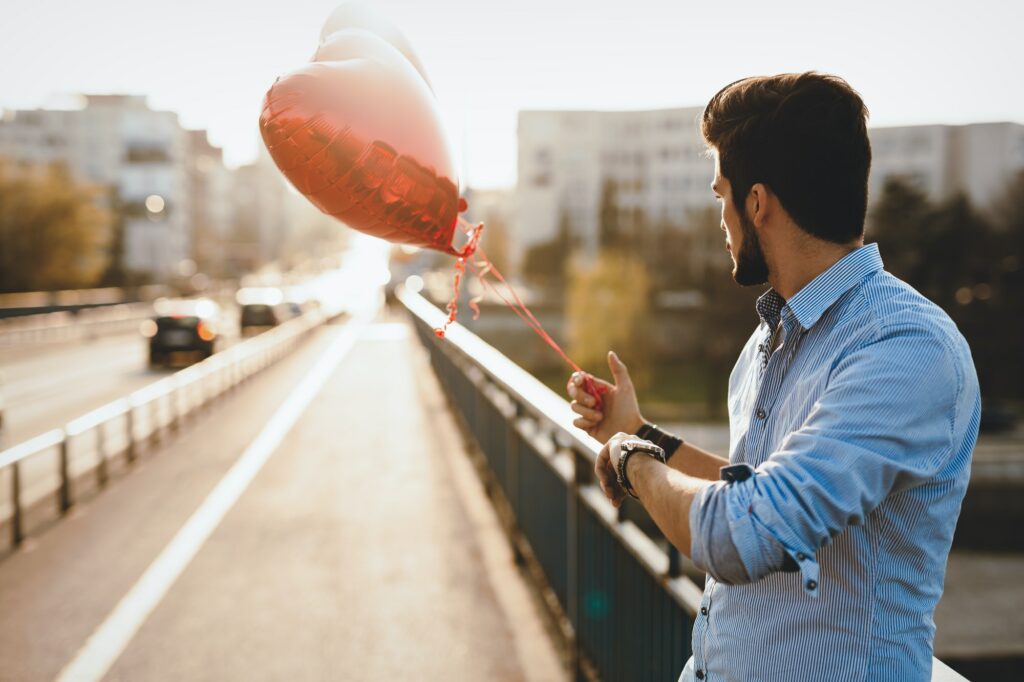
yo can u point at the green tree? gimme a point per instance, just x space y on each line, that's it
728 316
609 235
1006 331
495 242
968 265
609 308
546 264
898 222
53 232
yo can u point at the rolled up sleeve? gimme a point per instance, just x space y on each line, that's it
884 422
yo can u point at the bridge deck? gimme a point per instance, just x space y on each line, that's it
363 549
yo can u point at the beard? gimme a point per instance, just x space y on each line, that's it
751 268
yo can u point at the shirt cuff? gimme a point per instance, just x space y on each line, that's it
732 537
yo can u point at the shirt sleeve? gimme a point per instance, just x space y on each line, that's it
884 422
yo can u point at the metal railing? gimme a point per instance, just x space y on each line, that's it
53 463
74 326
625 605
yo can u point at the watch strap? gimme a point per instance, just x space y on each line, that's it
666 441
627 449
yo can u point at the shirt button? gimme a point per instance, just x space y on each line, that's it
800 556
703 610
761 414
699 674
812 584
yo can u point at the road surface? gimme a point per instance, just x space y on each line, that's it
360 547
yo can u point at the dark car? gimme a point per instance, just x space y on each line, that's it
259 317
184 330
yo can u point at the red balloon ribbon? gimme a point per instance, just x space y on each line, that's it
486 267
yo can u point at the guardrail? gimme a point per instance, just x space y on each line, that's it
54 462
625 607
73 326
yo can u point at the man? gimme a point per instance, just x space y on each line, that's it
853 412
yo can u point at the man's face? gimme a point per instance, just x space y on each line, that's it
749 266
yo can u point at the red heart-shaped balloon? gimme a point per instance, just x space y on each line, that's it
360 136
356 15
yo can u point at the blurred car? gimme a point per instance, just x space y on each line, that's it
259 317
263 308
182 330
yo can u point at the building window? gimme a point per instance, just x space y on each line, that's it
140 154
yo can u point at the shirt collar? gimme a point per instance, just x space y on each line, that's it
810 303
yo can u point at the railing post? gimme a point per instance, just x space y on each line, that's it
101 451
172 406
675 562
154 421
17 532
573 548
65 477
129 418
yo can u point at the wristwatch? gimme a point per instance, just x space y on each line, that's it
626 450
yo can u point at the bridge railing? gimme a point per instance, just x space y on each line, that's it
61 463
625 605
73 326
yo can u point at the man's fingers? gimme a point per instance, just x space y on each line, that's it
577 391
581 423
619 371
586 412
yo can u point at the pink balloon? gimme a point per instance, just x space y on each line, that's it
355 15
359 134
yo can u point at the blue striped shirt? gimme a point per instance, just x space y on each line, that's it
825 543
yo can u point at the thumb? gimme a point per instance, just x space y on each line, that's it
619 371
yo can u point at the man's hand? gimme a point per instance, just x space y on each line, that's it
621 411
607 469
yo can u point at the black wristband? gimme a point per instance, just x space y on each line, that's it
666 441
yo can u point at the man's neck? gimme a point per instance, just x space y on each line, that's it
803 264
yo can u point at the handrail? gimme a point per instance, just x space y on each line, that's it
68 326
508 411
539 400
137 419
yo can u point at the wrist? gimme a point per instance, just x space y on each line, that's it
637 469
636 423
630 449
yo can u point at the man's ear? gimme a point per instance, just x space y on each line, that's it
757 204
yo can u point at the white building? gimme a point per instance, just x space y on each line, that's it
211 190
655 159
976 159
658 163
261 211
118 141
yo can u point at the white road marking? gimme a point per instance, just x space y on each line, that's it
114 634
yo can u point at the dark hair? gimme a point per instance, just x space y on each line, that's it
804 136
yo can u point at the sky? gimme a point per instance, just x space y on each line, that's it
212 60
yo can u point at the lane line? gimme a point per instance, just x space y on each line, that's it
113 635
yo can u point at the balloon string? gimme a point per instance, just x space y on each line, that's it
474 232
453 303
485 267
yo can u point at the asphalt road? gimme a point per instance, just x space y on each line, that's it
360 547
47 385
